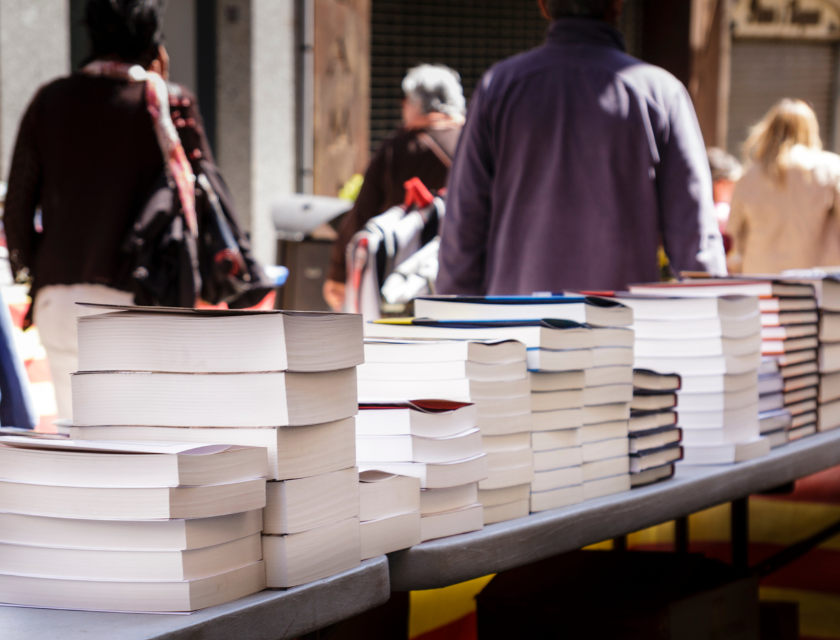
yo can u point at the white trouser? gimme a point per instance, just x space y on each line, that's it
55 316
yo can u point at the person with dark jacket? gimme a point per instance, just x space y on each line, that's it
433 114
575 162
88 153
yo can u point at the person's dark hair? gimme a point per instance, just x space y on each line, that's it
577 8
129 29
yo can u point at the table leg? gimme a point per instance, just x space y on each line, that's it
620 543
681 538
740 533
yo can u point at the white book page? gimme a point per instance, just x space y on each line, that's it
115 446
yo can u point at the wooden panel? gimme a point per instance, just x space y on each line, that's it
342 92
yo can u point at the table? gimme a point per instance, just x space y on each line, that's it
511 544
268 615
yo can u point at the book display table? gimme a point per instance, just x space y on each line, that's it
269 615
515 543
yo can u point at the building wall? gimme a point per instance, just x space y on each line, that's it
34 49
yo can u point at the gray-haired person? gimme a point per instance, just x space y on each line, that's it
432 114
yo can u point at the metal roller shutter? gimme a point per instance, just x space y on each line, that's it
765 71
467 35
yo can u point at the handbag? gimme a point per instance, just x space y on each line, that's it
172 268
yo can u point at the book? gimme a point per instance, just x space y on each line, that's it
417 351
721 435
828 416
558 458
298 558
608 486
496 425
797 357
788 332
651 476
800 382
383 495
129 565
217 341
642 461
608 337
407 448
134 503
785 318
801 432
452 370
554 420
705 366
702 347
798 395
505 495
548 360
645 421
654 439
590 310
774 420
437 500
451 523
606 468
426 418
771 347
794 370
601 376
558 381
556 498
826 285
509 442
659 308
539 334
292 452
509 396
608 394
604 449
292 506
604 431
508 476
771 384
557 478
508 511
389 534
646 380
141 596
273 399
778 438
714 328
802 419
829 387
150 535
726 453
778 305
435 475
829 327
715 287
544 440
829 357
653 402
612 357
556 400
717 401
595 414
80 463
799 408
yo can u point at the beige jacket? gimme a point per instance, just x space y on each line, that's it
795 225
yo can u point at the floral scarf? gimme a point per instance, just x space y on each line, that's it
157 102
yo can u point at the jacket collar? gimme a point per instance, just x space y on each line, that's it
586 31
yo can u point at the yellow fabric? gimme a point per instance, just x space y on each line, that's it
435 608
819 613
394 321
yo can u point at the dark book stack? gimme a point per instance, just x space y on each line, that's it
655 438
788 378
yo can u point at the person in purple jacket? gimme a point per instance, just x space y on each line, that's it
575 162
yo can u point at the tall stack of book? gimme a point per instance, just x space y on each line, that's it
827 293
714 344
243 378
154 527
490 374
436 442
654 435
789 331
561 347
389 510
607 397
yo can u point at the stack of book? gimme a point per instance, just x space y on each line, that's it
561 347
788 378
491 374
607 397
435 442
654 435
389 511
243 378
156 527
714 344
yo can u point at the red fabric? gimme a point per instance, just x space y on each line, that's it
461 629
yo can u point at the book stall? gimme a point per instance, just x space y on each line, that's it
216 454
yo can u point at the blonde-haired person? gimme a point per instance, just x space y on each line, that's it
785 208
